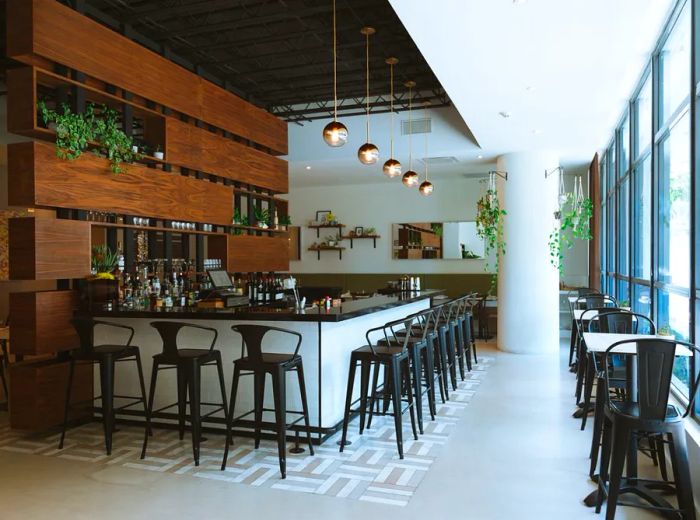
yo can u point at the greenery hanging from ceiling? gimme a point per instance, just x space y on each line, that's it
489 227
573 223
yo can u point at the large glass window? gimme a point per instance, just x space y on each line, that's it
643 111
642 221
674 206
624 147
623 227
674 61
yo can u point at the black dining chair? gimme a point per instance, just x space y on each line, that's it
576 293
254 361
4 363
189 363
646 409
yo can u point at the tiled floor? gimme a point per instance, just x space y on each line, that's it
514 453
368 470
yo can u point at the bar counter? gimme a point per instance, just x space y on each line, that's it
329 336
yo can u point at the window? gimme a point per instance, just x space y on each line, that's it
674 61
624 147
642 221
623 228
644 122
674 206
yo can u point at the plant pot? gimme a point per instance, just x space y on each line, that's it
282 228
135 149
331 244
102 292
159 155
666 336
626 309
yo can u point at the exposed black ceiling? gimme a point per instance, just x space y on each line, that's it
278 53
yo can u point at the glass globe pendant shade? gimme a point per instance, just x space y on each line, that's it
368 154
426 188
335 134
410 179
392 168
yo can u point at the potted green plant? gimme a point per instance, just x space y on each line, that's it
489 227
102 285
262 218
369 232
624 305
74 131
284 222
113 142
331 241
158 153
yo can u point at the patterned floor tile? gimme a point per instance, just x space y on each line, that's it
369 469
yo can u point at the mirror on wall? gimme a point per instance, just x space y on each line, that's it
436 241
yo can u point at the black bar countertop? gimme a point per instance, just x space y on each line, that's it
348 310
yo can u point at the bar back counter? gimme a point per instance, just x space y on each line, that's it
329 336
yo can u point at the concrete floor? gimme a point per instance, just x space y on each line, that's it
517 454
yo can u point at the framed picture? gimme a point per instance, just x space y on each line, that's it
322 215
359 231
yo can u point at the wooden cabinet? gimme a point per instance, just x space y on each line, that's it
48 249
247 253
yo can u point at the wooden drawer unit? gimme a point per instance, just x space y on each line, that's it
41 322
48 249
39 178
247 253
38 392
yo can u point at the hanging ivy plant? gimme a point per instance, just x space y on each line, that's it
574 224
489 227
75 132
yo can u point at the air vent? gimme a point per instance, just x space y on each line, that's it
418 126
439 161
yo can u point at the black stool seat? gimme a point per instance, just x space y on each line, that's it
258 363
188 362
383 349
105 356
633 410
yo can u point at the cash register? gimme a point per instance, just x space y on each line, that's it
224 290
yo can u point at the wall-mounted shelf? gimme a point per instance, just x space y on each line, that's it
318 250
364 237
319 227
154 228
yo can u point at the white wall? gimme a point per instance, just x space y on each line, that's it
575 263
379 206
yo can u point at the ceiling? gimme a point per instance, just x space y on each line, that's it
278 53
562 69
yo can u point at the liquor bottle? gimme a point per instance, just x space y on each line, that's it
249 288
261 291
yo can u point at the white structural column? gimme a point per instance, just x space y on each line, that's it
528 284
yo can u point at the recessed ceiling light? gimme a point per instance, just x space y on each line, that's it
479 156
529 88
537 131
519 2
308 167
504 114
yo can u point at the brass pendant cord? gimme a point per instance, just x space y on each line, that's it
391 102
335 70
367 71
410 129
426 143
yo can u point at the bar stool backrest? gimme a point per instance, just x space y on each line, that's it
253 335
655 358
85 327
169 331
592 301
389 329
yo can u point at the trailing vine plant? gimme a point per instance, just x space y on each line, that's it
75 132
574 223
489 227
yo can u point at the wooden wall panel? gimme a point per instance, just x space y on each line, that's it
60 34
198 149
48 249
21 100
41 322
39 178
38 392
247 253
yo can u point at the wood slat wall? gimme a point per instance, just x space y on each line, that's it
41 322
271 253
48 249
39 178
199 149
45 29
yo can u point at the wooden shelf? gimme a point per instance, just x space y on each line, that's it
363 237
319 227
155 228
318 250
255 228
257 195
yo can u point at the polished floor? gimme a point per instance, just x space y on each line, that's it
515 453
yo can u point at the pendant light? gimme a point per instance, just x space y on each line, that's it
335 133
392 168
426 187
368 153
410 178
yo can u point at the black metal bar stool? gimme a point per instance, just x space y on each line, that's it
395 362
258 364
188 362
446 334
644 411
106 356
422 360
462 346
